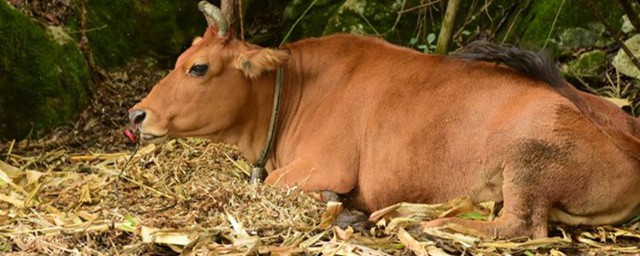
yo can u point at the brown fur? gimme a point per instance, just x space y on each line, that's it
381 124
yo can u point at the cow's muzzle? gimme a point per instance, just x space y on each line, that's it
137 132
136 116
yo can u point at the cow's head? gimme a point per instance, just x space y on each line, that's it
210 90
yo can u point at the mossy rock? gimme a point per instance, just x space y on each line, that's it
43 83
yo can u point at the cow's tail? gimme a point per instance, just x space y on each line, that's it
541 67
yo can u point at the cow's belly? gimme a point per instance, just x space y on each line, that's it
430 161
378 189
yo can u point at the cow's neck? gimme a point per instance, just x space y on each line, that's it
250 132
299 72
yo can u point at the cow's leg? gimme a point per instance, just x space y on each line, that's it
311 178
520 217
525 212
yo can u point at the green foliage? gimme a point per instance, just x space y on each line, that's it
473 216
539 27
590 64
43 84
378 18
623 63
313 24
428 47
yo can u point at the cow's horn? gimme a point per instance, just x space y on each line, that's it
214 16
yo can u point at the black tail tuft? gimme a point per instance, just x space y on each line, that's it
538 66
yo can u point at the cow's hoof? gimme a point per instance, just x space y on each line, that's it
354 219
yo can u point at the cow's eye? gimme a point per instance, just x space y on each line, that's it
198 70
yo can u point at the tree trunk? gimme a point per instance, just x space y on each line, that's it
446 30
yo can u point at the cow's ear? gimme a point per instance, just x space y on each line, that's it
255 62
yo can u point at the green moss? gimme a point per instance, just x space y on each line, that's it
43 84
112 32
123 29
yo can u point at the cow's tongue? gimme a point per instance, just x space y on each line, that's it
130 134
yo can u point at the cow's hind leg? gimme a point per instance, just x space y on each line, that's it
524 215
532 182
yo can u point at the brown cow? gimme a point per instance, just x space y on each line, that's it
381 124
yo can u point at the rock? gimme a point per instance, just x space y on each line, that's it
623 63
43 82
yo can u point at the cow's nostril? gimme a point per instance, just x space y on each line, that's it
136 117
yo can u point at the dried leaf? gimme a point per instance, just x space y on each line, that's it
407 210
12 200
9 172
330 215
237 227
33 177
173 237
411 243
457 206
312 240
343 234
466 241
400 222
85 195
